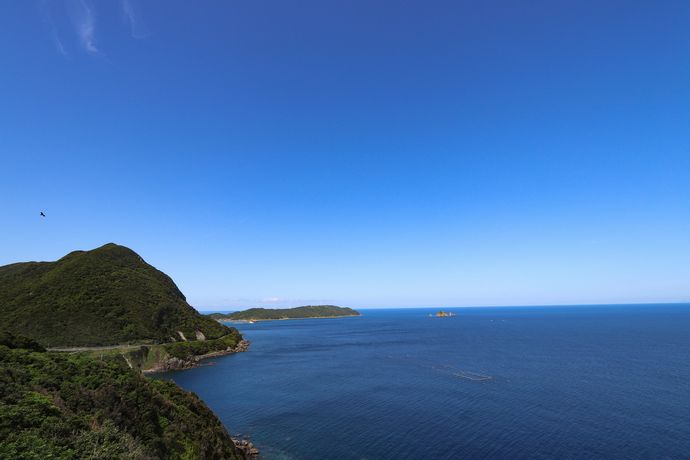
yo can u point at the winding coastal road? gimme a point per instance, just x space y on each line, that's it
101 348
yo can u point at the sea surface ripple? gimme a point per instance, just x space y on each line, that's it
518 382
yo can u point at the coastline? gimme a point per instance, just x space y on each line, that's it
246 447
282 319
177 364
243 444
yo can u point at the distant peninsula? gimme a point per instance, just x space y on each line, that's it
268 314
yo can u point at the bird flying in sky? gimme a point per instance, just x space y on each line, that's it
42 215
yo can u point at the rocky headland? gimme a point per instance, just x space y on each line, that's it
173 363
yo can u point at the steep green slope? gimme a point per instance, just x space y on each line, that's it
105 296
69 406
311 311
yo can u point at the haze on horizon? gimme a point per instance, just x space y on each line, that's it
425 153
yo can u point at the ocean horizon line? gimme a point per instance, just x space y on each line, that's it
615 304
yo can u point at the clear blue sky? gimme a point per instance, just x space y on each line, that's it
364 153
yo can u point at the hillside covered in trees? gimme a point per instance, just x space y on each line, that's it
105 296
263 314
69 406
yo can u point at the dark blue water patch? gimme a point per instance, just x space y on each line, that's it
527 382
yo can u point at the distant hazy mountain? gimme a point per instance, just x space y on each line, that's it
311 311
105 296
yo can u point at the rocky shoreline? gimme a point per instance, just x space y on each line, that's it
245 446
177 364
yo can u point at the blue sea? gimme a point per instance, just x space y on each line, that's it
517 382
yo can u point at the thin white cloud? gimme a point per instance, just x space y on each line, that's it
82 15
137 27
87 29
55 36
58 43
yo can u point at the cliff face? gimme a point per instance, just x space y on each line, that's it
105 296
159 358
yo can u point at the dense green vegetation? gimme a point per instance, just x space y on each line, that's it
68 406
152 357
106 296
17 341
311 311
96 404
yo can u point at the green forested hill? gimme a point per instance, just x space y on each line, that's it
311 311
105 296
70 406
